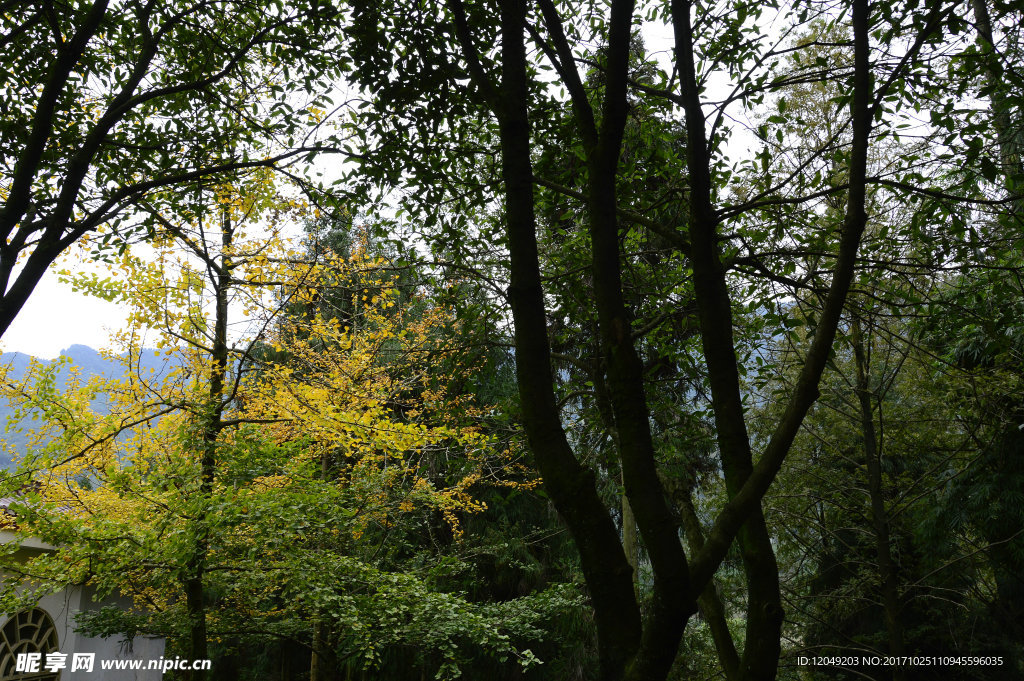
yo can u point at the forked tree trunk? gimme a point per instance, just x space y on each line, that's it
628 647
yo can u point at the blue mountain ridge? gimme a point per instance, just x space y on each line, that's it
88 362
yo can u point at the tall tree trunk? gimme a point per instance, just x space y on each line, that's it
711 607
323 663
210 427
887 567
570 485
670 604
760 656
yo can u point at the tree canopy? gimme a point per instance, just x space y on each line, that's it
740 312
111 111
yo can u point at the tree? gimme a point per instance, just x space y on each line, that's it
234 500
719 208
544 156
971 332
109 112
105 465
884 448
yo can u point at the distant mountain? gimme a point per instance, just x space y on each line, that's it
89 363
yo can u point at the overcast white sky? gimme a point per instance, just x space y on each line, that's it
55 317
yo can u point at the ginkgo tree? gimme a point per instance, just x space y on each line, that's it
232 497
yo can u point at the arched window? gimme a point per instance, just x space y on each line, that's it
29 631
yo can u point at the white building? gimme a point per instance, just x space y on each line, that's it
46 634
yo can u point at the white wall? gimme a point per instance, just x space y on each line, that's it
62 607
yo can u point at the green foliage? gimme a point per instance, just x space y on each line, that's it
109 117
353 489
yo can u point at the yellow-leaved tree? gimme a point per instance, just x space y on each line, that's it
257 474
